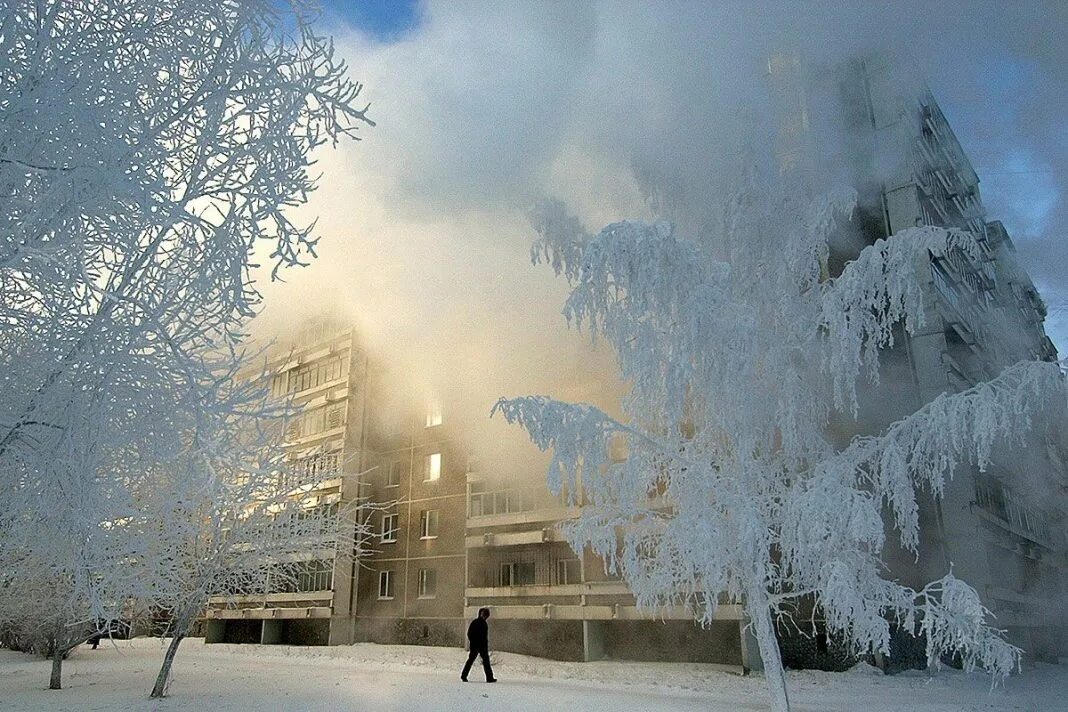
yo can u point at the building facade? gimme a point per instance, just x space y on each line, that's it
550 601
364 444
448 536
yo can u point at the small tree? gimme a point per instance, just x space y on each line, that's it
39 614
239 534
736 368
236 513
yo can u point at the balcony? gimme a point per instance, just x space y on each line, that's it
957 310
586 612
533 536
517 505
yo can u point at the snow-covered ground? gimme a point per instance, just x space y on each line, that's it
383 678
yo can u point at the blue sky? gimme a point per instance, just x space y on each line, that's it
384 20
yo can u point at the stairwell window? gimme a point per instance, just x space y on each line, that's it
428 524
385 585
390 526
398 470
432 467
428 583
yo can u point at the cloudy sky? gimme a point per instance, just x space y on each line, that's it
485 108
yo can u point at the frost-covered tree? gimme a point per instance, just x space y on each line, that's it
147 149
237 521
40 614
738 357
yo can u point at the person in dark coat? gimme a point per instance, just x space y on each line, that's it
478 636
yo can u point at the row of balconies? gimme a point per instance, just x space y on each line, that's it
595 612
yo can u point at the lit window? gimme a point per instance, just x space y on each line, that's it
433 467
428 524
433 415
428 583
385 585
390 526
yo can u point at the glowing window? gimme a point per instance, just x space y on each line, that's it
433 467
433 415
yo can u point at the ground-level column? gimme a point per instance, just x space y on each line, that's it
750 650
592 640
215 631
271 633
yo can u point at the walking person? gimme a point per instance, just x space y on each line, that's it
478 636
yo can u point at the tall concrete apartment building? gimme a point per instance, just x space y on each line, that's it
997 529
367 443
458 536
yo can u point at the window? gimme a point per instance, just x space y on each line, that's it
390 526
524 573
278 385
428 583
321 465
335 416
474 505
314 374
301 576
313 422
567 571
516 573
385 585
428 524
433 415
398 470
315 576
433 467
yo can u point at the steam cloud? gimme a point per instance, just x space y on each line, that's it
483 109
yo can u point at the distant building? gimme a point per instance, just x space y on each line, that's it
996 529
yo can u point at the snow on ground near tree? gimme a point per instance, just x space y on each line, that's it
383 678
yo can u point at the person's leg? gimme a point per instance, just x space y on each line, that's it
470 662
484 653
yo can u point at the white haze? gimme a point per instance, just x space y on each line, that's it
484 109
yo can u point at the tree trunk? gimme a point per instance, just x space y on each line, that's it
57 667
160 688
770 656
